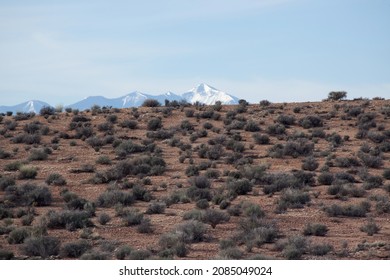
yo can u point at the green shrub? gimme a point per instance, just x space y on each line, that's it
292 198
252 126
239 187
215 217
104 160
131 124
38 154
154 124
27 172
104 218
295 247
370 227
112 197
145 226
156 208
29 194
18 235
43 246
286 120
75 249
321 249
132 217
69 219
261 139
311 121
254 211
310 164
13 166
232 253
191 231
349 210
6 182
315 229
95 255
123 252
55 179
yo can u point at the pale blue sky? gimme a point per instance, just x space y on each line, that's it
280 50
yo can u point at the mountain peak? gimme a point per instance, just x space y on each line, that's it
208 95
203 88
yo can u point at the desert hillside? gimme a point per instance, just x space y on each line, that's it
261 181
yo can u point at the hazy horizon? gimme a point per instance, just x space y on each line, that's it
279 50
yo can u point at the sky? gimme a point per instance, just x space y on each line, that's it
280 50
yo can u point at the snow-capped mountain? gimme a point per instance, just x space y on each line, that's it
202 93
29 106
208 95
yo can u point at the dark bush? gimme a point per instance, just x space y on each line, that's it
371 161
123 252
370 227
95 255
300 147
6 255
105 160
18 235
4 154
215 217
156 208
252 126
29 194
279 182
386 174
321 249
68 219
154 124
43 246
27 172
105 127
28 139
265 103
5 182
191 231
145 226
160 134
286 120
112 197
132 124
132 217
292 198
239 187
55 179
104 218
315 229
295 247
337 95
84 132
346 162
310 164
311 121
276 129
151 103
75 249
261 139
47 111
128 147
349 210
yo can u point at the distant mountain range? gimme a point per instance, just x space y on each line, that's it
202 93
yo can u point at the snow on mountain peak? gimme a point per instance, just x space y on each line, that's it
208 95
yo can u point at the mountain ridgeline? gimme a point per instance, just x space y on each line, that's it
202 93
